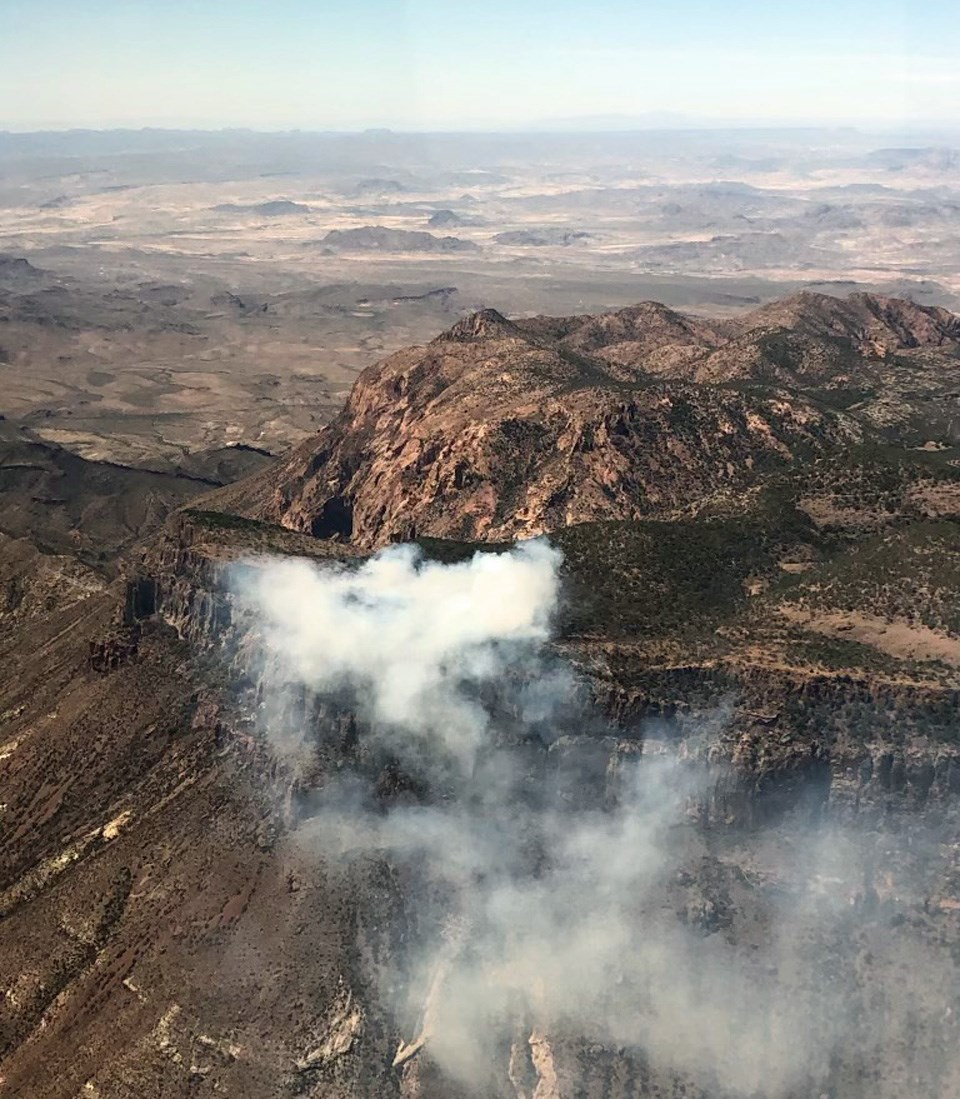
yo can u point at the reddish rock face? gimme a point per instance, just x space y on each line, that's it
501 429
172 923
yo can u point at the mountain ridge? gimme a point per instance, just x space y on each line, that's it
504 428
787 632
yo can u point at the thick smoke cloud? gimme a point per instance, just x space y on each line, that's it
563 880
411 640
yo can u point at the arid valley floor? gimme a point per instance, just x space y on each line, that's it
196 291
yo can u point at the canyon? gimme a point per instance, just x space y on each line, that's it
753 523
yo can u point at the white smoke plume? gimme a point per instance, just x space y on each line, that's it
560 865
407 637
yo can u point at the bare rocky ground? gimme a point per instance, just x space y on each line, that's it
757 510
171 925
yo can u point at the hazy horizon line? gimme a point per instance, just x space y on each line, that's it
588 124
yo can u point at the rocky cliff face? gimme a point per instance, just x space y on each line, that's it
164 906
785 721
785 630
500 429
775 749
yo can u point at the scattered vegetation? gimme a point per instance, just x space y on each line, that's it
221 520
652 577
911 574
449 551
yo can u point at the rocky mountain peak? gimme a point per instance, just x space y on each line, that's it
500 429
873 323
486 324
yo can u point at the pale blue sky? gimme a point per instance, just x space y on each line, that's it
427 64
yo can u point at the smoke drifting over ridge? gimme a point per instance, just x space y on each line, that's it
562 880
406 637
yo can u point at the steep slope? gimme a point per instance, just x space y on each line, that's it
141 874
69 504
66 522
34 583
764 588
171 926
500 429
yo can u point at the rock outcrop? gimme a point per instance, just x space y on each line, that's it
760 582
501 429
379 238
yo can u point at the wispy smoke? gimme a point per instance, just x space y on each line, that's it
563 883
